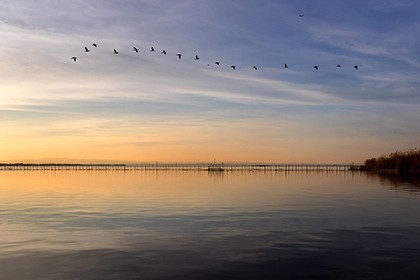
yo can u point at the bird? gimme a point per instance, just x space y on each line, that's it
86 49
356 67
338 66
301 15
136 49
254 67
179 55
115 51
196 57
316 67
152 49
286 66
95 45
217 63
164 52
233 67
74 58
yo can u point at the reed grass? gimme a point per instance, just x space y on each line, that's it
399 161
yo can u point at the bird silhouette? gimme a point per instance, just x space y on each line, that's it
316 67
86 49
356 67
136 49
95 45
286 66
164 52
179 55
217 63
338 66
196 57
301 15
152 49
115 51
74 58
254 67
233 67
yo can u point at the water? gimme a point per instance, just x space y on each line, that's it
199 225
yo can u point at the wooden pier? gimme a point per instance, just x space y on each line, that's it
210 167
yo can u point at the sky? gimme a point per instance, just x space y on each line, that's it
149 107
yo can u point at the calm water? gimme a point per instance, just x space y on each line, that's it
199 225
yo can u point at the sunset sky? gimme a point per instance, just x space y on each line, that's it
148 106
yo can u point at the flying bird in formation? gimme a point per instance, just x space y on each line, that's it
152 49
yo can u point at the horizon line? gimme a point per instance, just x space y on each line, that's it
156 163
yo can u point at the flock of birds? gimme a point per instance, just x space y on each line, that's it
152 49
196 57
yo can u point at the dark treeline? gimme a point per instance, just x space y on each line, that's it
401 162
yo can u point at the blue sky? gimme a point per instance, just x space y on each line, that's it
147 106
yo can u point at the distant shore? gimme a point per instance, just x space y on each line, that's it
407 162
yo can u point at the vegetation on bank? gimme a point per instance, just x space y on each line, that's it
401 162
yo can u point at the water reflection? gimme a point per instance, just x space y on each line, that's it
408 182
199 225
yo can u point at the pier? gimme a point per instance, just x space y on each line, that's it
209 167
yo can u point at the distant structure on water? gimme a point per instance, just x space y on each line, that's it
156 166
216 167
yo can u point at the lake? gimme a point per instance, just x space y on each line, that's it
207 225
